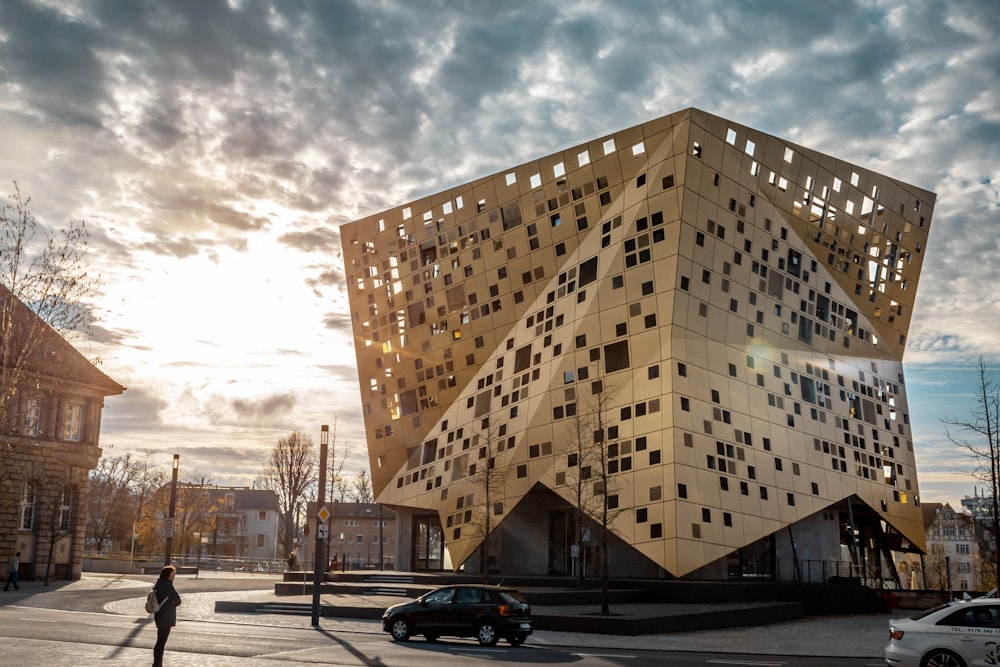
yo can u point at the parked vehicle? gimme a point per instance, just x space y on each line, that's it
487 613
963 633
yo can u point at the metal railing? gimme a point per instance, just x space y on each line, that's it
812 572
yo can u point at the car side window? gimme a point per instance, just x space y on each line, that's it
983 617
961 617
469 596
444 596
973 617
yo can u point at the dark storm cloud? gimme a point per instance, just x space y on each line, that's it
333 278
345 373
264 408
54 53
177 247
337 321
137 408
318 239
113 337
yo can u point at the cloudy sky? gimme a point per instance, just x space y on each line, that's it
214 148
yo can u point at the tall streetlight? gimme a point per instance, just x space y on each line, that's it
319 559
381 566
173 506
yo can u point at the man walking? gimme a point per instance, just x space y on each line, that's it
13 565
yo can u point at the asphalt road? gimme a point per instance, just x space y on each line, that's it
100 619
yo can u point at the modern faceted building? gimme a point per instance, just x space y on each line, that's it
693 324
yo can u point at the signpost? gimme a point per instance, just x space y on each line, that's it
319 558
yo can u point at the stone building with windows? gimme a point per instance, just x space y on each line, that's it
50 424
244 524
954 557
691 323
362 536
233 522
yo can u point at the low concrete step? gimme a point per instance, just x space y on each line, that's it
386 590
389 579
293 608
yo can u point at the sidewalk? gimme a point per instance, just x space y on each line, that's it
856 636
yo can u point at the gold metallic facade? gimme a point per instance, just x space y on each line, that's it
747 298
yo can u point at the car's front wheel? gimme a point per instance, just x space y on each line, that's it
399 628
487 634
942 659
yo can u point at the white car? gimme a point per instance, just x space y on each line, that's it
958 634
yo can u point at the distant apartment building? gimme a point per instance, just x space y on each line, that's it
228 521
953 558
690 323
50 424
980 508
361 536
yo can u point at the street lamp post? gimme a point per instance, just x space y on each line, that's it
947 570
173 507
319 559
380 553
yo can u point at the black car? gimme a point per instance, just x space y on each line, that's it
468 610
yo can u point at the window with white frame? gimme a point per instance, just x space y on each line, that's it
73 422
66 508
28 507
262 516
32 417
361 539
351 522
260 540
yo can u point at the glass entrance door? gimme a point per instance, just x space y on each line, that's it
428 547
562 535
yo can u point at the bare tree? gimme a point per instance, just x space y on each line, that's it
198 506
978 437
44 270
43 285
362 487
339 486
591 460
578 450
490 481
111 503
290 472
148 480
